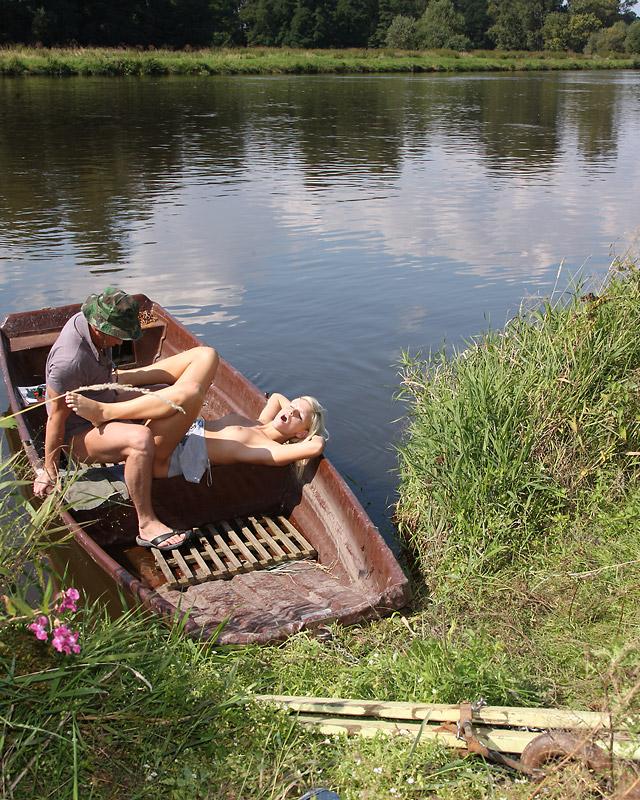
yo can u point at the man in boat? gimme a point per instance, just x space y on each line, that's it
81 356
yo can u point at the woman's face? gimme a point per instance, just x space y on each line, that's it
294 420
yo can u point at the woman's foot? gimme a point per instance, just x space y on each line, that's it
91 410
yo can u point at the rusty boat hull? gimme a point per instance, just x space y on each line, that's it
347 574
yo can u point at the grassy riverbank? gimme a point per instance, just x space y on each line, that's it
17 60
521 504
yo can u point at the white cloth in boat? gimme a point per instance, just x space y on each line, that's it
190 458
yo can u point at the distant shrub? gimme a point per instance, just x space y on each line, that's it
401 33
608 40
632 42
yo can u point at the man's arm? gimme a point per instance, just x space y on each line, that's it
53 442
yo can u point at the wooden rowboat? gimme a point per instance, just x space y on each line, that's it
275 551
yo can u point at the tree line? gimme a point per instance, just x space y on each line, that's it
592 26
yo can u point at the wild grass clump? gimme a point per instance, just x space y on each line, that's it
509 440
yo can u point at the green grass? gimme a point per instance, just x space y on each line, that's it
519 487
17 60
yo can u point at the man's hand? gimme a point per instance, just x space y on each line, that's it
44 484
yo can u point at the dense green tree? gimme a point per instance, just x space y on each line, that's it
15 21
388 10
555 31
476 20
518 24
354 23
508 31
607 11
267 21
632 42
442 26
580 28
401 33
301 31
226 28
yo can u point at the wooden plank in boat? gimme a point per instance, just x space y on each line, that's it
234 565
295 533
241 547
203 573
33 341
265 556
178 560
266 539
164 567
221 550
279 535
220 568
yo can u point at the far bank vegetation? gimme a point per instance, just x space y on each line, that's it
601 27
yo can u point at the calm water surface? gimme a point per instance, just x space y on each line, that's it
313 228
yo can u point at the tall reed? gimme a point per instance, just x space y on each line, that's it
511 433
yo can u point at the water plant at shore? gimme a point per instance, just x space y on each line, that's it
526 430
17 60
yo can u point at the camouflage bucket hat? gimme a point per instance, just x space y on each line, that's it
113 312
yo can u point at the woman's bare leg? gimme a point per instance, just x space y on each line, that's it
194 364
191 372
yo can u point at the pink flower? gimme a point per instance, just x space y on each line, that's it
40 627
65 641
67 600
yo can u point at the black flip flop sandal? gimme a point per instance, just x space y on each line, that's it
163 538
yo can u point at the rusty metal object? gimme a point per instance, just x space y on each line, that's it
558 745
356 577
464 729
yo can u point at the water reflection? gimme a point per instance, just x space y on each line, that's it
313 228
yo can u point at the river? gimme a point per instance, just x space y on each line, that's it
313 228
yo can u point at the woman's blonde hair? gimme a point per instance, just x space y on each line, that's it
318 424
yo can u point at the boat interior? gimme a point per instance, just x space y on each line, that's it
276 548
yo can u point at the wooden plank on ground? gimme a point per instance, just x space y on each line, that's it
541 718
504 740
501 739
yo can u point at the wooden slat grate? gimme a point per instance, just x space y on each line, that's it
228 547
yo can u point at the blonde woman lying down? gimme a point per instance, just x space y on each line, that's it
286 431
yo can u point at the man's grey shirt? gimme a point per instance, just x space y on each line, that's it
74 361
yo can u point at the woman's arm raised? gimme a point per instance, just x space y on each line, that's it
272 454
275 404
